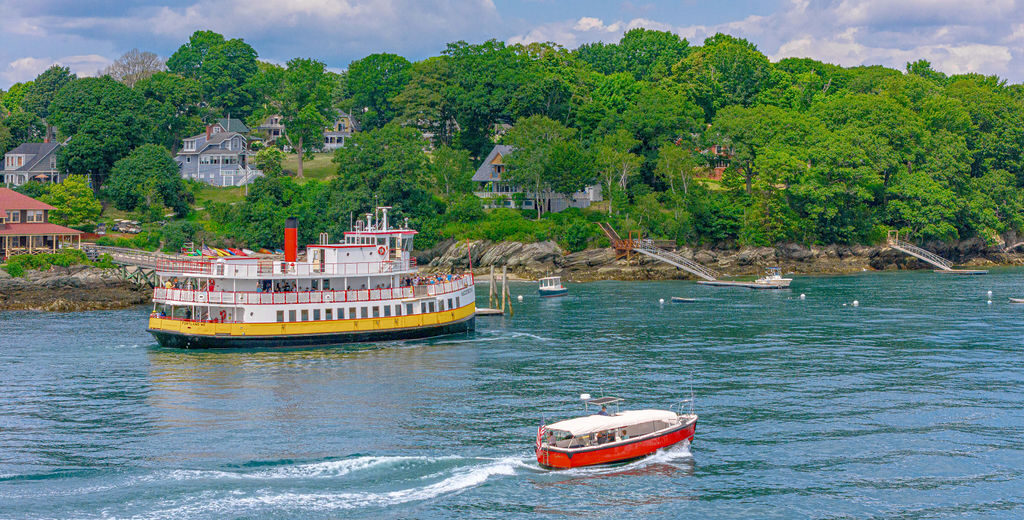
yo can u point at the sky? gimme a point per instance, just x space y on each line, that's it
957 36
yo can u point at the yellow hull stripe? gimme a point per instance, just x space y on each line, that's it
297 328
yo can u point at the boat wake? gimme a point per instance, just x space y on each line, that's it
385 481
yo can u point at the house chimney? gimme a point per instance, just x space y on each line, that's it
209 128
291 239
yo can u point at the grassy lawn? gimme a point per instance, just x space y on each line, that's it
228 195
319 167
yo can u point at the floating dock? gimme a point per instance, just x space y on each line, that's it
748 285
484 311
960 271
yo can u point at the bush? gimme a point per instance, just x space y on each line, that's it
17 265
15 270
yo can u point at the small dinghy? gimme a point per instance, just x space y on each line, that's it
1016 300
606 438
680 299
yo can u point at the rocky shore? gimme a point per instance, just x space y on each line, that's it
536 260
66 289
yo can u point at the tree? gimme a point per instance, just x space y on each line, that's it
24 127
44 88
147 179
528 166
615 163
74 201
423 104
644 53
378 167
451 170
570 168
725 71
373 82
172 105
223 68
133 66
15 96
269 160
676 164
305 105
104 119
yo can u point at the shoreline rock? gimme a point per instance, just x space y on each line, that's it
69 289
536 260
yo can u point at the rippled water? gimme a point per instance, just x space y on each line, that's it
907 406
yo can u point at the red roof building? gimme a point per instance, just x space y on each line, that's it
25 227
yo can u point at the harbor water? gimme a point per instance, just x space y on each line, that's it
909 405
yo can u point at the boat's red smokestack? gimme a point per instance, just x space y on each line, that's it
291 239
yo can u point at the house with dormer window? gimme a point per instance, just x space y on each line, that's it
498 192
25 227
217 157
31 161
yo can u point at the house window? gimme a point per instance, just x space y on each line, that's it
13 216
34 216
305 315
316 314
280 316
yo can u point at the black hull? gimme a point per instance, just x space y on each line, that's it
185 341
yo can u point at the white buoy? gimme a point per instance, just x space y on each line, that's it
990 294
856 303
661 301
990 302
584 397
844 305
803 296
520 297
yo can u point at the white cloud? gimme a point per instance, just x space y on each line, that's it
985 36
27 68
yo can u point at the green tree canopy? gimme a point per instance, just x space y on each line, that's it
146 180
74 201
373 82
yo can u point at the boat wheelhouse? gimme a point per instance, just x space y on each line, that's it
365 288
609 438
552 286
773 276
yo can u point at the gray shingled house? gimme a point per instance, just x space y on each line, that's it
218 157
31 161
500 193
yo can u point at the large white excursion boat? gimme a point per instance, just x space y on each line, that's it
363 289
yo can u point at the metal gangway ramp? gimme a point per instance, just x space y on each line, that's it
646 247
943 265
894 242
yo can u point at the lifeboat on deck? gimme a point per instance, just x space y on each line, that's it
615 437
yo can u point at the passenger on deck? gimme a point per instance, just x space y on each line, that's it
604 410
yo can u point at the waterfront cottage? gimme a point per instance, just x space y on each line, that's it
498 192
218 157
31 161
25 227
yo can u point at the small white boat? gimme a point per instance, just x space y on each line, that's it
773 276
551 287
1016 300
680 299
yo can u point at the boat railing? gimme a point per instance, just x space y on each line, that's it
262 267
164 294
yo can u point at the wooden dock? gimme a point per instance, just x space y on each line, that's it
484 311
748 285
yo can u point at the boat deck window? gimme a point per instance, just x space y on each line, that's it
280 316
316 314
408 309
291 315
376 311
387 311
305 315
351 313
398 310
327 314
363 312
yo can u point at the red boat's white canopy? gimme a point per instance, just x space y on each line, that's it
597 423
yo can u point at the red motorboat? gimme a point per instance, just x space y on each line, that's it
614 437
